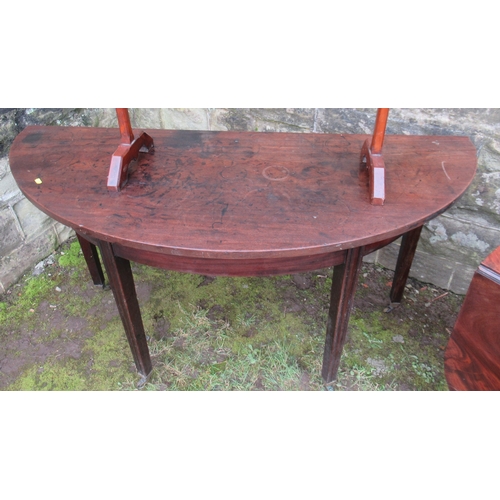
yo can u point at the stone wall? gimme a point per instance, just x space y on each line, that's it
26 234
451 246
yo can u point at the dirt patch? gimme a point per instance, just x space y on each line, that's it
62 337
161 326
302 281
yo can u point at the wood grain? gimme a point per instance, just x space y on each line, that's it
345 277
122 283
492 262
405 258
91 256
239 195
472 356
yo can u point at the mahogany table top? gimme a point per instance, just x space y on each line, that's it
239 195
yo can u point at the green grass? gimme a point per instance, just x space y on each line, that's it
20 307
371 347
72 256
51 376
3 312
209 334
205 355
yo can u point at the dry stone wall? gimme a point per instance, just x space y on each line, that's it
451 246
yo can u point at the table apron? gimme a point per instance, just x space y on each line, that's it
234 267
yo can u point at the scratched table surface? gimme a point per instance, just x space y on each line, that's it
239 195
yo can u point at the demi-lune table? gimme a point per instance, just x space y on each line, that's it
240 204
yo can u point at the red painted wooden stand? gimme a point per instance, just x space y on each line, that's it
472 357
241 204
127 151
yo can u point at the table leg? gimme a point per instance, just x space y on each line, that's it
92 258
405 259
345 277
121 281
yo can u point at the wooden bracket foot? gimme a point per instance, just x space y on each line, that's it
123 156
126 152
371 152
376 172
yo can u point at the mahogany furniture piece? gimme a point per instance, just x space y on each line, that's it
241 204
472 356
371 153
126 152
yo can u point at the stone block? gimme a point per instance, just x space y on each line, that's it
346 120
433 269
371 258
32 220
10 234
8 129
14 265
63 232
270 119
143 118
166 118
464 241
100 117
8 189
8 186
185 118
170 118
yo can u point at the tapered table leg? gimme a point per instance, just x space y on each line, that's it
122 283
92 258
405 259
344 282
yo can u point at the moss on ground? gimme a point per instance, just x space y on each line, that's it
389 355
72 256
51 376
217 333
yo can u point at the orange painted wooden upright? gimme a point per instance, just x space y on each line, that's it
127 136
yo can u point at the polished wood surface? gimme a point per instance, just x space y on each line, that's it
371 154
127 151
91 256
472 356
239 204
239 195
345 278
408 248
122 283
492 262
